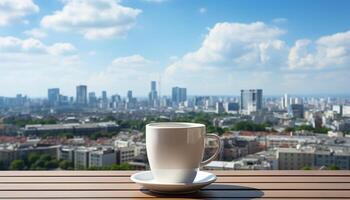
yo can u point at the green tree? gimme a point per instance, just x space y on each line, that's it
123 166
17 165
333 167
45 157
2 165
306 168
248 126
66 165
32 158
52 164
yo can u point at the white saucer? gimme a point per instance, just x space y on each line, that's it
145 179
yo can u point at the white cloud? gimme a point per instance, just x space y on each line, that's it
130 72
36 33
11 44
33 66
331 51
95 19
279 20
202 10
233 56
61 48
134 61
234 46
12 11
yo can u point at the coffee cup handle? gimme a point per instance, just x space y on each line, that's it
217 151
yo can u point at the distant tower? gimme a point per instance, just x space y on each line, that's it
153 95
251 100
104 99
53 95
178 95
285 101
81 95
129 95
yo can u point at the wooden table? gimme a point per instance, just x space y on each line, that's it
230 184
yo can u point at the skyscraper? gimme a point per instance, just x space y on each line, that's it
179 95
153 95
129 96
104 99
296 110
92 99
53 96
251 100
81 95
285 101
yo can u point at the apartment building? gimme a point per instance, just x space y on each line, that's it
316 157
11 152
125 154
295 159
81 158
102 157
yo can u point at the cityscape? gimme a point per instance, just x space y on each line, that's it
81 79
107 131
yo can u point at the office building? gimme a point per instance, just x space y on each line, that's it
53 96
219 107
285 101
231 107
337 109
104 100
130 101
297 158
296 110
92 99
81 95
66 153
81 158
153 95
102 157
11 152
129 96
179 95
125 154
84 128
251 101
346 111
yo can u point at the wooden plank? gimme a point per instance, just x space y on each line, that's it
217 172
247 179
201 194
185 198
214 186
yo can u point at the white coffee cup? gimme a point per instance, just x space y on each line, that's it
175 150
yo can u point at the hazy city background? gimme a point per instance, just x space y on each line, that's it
81 79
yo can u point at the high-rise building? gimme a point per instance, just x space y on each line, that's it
92 99
130 101
219 107
153 95
179 95
129 95
251 100
81 95
296 110
53 95
231 107
285 101
104 100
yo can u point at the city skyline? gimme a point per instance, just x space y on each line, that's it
209 48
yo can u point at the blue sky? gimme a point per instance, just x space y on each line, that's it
210 47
